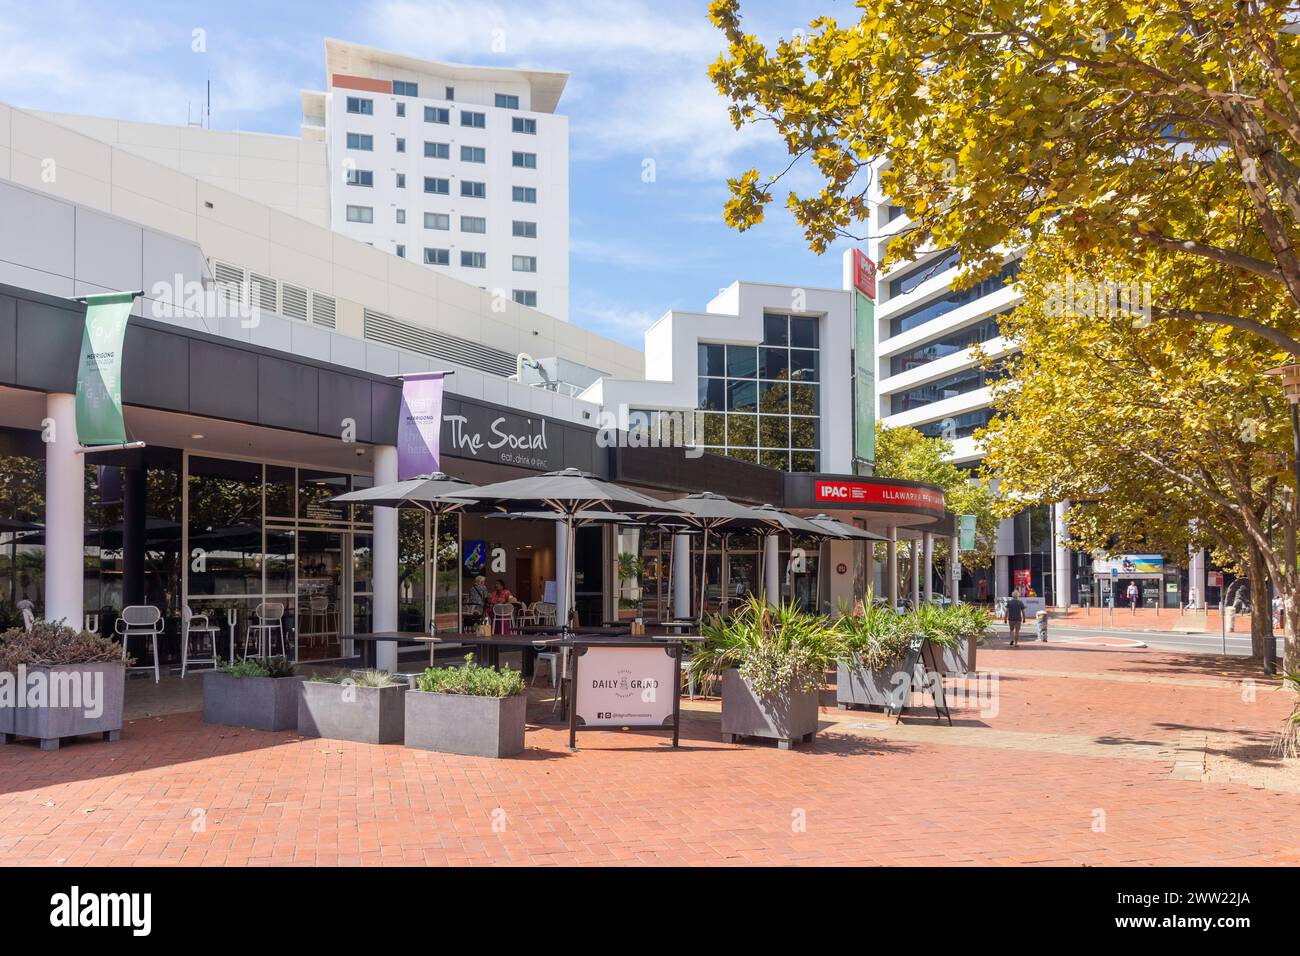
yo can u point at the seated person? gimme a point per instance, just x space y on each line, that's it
500 594
476 600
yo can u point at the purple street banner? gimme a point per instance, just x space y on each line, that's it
419 425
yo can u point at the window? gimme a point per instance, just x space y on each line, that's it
437 114
949 343
473 224
473 154
401 251
911 278
361 141
525 297
523 230
401 217
449 93
401 145
950 386
471 118
523 124
437 150
507 101
361 177
524 194
361 105
434 184
403 88
401 109
361 214
473 260
953 299
472 189
523 160
401 180
523 263
437 257
437 220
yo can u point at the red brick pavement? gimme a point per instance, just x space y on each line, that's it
177 791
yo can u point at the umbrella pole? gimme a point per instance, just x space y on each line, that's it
571 574
704 571
433 601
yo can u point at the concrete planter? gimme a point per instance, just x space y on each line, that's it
855 686
960 660
461 724
79 699
787 718
262 703
367 715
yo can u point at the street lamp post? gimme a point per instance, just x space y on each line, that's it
1290 375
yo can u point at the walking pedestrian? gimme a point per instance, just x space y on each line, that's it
1132 595
1015 616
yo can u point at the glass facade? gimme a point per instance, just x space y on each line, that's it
950 386
761 403
952 300
947 344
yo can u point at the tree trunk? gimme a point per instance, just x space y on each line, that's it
1261 607
1291 619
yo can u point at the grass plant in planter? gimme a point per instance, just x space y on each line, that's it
365 707
771 664
473 710
874 647
257 692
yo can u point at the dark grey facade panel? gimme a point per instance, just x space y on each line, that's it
287 394
8 339
155 369
48 346
223 382
670 469
340 397
385 405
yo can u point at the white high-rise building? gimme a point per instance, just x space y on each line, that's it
462 168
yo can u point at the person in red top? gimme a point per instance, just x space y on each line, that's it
499 593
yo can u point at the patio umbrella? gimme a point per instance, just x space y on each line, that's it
429 493
793 524
846 530
709 512
566 493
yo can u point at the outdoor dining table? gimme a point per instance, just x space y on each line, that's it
368 643
491 647
622 630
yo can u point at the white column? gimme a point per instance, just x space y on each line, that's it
927 565
385 557
772 568
682 577
954 567
1196 577
891 566
65 512
1062 570
562 596
914 549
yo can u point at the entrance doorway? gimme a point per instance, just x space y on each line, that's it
320 593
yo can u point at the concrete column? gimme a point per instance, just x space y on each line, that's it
682 577
891 566
1062 575
1196 577
927 565
772 568
384 612
65 512
915 548
1001 576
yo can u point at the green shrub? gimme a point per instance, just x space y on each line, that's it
877 639
366 678
471 680
773 649
260 667
49 643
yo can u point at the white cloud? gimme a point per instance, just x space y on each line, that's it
612 319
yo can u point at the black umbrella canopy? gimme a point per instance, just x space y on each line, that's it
846 530
715 513
429 492
797 525
581 517
567 491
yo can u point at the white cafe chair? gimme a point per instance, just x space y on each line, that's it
546 613
503 615
267 624
192 624
141 620
529 614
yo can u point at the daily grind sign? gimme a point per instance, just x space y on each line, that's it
625 684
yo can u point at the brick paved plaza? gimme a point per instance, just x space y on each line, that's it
1095 756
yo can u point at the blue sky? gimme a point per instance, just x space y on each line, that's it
638 91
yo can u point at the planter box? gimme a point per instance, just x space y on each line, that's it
262 703
75 687
786 718
855 686
461 724
960 660
367 715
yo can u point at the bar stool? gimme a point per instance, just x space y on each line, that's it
192 623
552 660
268 623
141 620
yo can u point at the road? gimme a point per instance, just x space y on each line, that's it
1238 645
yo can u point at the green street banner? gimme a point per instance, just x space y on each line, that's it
99 372
966 536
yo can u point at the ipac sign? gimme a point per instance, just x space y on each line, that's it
874 493
864 274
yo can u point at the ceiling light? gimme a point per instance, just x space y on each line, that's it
196 435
